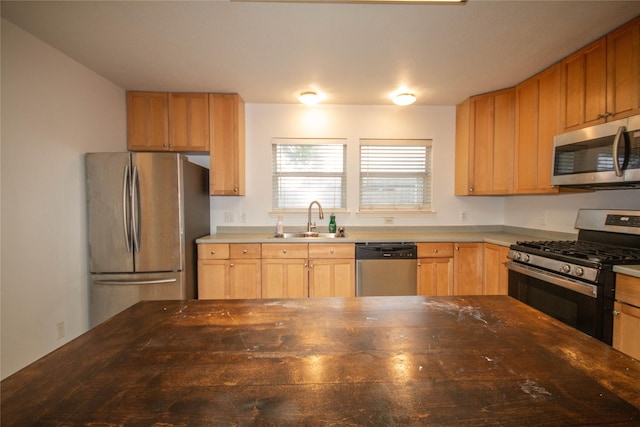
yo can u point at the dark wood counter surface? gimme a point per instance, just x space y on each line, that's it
360 361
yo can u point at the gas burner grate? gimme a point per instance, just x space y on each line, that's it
584 250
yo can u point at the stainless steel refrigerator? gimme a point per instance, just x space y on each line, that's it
145 211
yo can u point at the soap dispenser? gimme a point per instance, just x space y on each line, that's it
332 223
279 227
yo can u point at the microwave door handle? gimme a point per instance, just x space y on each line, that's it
616 149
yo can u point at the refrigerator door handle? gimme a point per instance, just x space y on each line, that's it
135 210
134 282
125 207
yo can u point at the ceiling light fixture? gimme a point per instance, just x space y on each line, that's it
309 97
403 98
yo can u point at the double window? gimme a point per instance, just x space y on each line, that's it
394 175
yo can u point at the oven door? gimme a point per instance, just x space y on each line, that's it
577 304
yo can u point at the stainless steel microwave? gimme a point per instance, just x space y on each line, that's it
604 156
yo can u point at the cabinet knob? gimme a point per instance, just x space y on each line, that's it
331 250
470 190
615 312
213 252
435 251
284 251
231 265
244 251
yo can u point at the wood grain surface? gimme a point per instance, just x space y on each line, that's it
454 361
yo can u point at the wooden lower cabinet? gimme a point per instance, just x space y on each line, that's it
626 322
285 278
495 274
435 268
332 270
229 271
467 269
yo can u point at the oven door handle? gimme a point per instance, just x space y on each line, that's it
546 276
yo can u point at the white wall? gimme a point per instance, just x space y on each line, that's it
53 111
558 212
264 122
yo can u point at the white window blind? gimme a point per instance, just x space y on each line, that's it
395 175
309 169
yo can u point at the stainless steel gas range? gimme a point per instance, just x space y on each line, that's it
573 280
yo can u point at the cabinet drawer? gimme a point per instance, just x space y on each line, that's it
435 250
628 289
245 250
285 250
213 251
331 250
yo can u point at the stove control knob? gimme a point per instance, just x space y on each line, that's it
566 268
517 256
525 257
579 271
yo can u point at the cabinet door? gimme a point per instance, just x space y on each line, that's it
245 277
467 265
213 279
626 329
623 71
435 276
147 121
189 122
584 86
332 277
537 122
227 147
491 143
285 278
495 274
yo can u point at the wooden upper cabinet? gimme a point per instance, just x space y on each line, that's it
189 122
147 121
227 146
601 82
623 71
159 121
485 133
584 86
537 122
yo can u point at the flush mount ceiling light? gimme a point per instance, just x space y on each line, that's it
403 98
309 97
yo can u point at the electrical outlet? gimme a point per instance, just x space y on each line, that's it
542 218
388 220
60 332
243 217
228 217
464 216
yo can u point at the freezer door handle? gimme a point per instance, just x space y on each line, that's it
125 207
134 282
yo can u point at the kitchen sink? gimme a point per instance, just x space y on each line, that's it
309 235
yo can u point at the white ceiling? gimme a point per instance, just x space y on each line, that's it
355 53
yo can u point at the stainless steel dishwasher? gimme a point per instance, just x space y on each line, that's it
386 269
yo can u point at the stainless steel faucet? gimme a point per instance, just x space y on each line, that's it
311 226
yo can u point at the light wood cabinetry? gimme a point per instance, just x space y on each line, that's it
495 275
227 145
229 271
332 270
285 272
467 267
188 122
435 268
537 122
147 121
623 71
160 121
485 134
626 322
601 82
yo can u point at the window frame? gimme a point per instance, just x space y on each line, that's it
428 178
